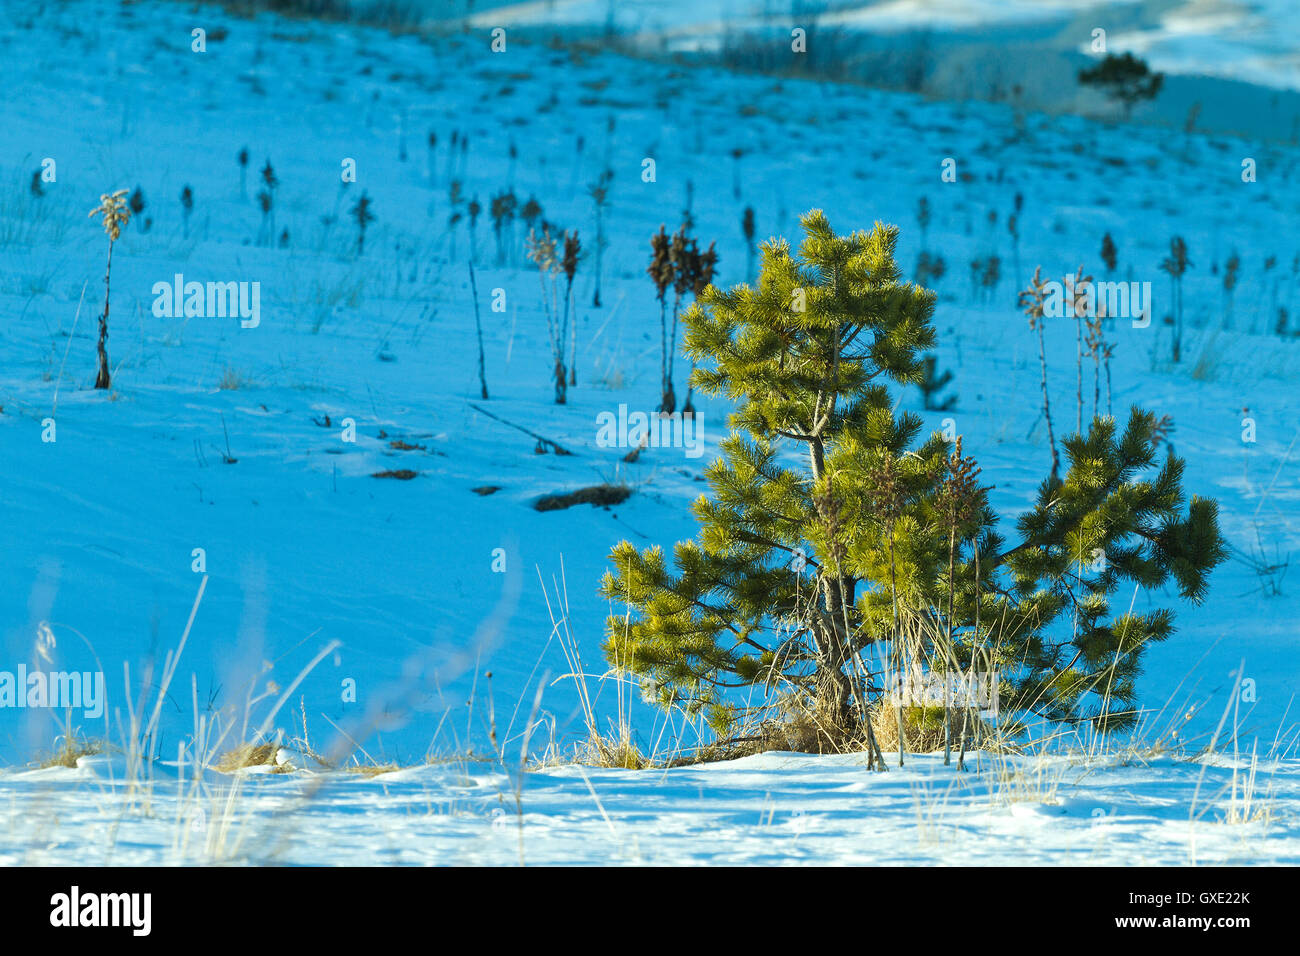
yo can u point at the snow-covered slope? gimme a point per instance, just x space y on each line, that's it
303 547
775 808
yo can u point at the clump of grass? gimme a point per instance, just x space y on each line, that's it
1245 804
247 755
29 219
233 380
804 726
1207 363
614 751
69 748
325 298
369 770
923 726
1039 783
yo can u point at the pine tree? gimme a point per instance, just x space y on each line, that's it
1176 264
599 191
698 268
187 207
502 210
1108 252
932 383
660 271
363 215
800 579
569 266
1125 79
1230 273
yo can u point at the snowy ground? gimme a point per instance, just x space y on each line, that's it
768 809
304 548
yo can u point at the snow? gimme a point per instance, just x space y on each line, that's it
304 548
773 808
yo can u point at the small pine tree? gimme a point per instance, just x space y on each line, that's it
1124 79
599 191
660 271
502 210
795 580
569 266
932 383
1230 273
1108 252
1176 264
700 267
474 208
266 201
929 269
136 204
363 215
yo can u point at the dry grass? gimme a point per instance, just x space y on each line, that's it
1206 368
233 380
616 751
1039 783
1246 804
69 749
247 755
369 770
923 728
805 728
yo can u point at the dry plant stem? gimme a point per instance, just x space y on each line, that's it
478 327
1047 405
965 713
947 652
573 333
899 649
663 347
75 318
1078 373
1108 407
103 379
875 759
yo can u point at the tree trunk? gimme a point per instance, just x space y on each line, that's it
1047 405
573 351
